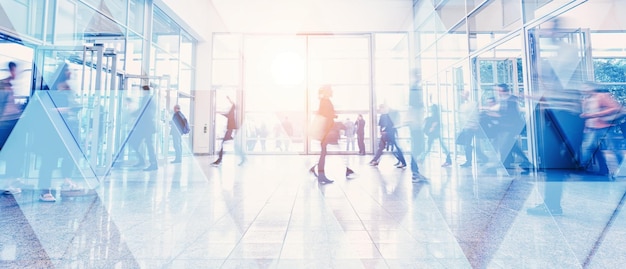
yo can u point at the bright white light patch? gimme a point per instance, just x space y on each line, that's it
288 69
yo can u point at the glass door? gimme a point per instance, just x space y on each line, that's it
560 61
274 79
74 93
344 62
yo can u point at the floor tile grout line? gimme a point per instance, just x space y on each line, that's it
278 185
605 230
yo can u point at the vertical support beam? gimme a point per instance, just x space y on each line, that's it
147 42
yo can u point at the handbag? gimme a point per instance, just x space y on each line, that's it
318 127
332 137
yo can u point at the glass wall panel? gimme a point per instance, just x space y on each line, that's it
538 8
427 33
165 33
226 72
582 44
186 49
452 47
226 46
164 64
23 17
275 93
349 74
345 71
116 9
65 26
185 79
133 54
136 15
22 56
451 13
489 23
77 23
338 47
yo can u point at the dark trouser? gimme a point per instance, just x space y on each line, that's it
509 147
382 143
416 139
227 136
386 140
468 146
322 160
148 139
361 143
49 161
178 147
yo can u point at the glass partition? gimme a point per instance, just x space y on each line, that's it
344 63
492 21
23 17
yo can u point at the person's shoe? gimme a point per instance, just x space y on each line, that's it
543 210
374 163
175 161
324 180
446 164
69 185
242 161
401 166
312 170
466 164
47 197
152 167
349 172
12 191
217 162
417 177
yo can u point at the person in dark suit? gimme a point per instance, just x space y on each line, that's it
388 135
360 133
510 125
177 126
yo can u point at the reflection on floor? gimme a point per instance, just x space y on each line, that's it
271 213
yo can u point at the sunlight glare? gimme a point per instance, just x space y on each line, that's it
288 69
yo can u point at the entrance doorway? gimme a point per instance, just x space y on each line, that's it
277 92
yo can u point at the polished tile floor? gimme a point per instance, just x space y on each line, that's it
271 213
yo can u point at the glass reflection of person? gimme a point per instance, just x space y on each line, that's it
10 113
599 111
432 128
288 129
145 128
349 133
470 121
510 125
64 100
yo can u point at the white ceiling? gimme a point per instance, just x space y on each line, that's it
292 16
